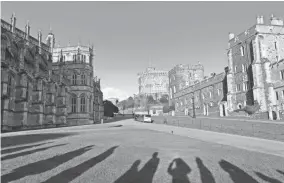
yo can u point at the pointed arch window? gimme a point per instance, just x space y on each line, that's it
74 79
83 79
90 104
73 104
83 104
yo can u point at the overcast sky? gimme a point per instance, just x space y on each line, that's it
127 35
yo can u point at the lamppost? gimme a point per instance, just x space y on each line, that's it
193 108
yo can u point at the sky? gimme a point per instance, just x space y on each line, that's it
130 36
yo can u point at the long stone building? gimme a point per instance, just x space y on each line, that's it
37 92
153 82
255 72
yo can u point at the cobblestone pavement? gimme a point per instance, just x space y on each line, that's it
129 151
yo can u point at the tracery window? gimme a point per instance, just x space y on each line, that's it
83 104
74 79
83 79
73 104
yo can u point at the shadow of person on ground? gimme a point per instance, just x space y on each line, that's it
279 171
205 174
179 171
71 173
31 138
12 156
266 178
237 175
43 165
146 174
15 149
130 174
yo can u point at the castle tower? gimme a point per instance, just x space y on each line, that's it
77 64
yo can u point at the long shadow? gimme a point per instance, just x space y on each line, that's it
180 171
15 149
266 178
236 174
43 165
12 156
206 175
130 174
279 171
71 173
146 174
31 138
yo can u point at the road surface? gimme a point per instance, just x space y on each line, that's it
129 151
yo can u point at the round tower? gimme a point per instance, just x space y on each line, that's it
198 70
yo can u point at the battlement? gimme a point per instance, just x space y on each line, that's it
152 71
202 84
274 27
182 68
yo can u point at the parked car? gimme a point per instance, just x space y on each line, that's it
147 119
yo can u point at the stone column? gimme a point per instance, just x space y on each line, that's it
38 101
50 105
231 96
207 110
21 103
258 89
61 107
270 114
6 120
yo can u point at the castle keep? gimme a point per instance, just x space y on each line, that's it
153 82
37 92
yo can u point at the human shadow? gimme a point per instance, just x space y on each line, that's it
130 174
279 171
237 175
43 165
12 156
146 174
15 149
266 178
180 171
206 175
71 173
31 138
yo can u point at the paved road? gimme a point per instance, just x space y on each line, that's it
128 151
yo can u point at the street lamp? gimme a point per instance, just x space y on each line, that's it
193 108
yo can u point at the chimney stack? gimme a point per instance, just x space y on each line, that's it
231 35
259 20
13 22
276 21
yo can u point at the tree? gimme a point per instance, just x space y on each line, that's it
150 99
164 99
109 108
166 109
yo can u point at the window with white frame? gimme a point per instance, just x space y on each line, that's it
277 95
242 50
238 87
245 86
282 74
